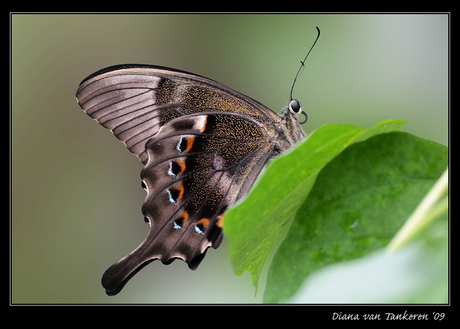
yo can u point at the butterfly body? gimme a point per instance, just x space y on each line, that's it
202 145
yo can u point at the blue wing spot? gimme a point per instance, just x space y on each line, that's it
179 222
170 170
178 147
197 230
171 199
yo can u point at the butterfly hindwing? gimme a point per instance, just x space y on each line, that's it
197 167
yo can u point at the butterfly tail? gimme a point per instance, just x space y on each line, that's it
117 275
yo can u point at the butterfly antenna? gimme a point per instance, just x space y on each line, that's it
302 65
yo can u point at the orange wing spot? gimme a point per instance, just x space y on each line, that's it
182 217
190 140
220 220
203 222
180 190
182 166
180 221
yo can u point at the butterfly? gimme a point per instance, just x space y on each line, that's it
202 145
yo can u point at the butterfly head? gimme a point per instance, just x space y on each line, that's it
295 107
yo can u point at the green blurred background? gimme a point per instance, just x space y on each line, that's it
76 192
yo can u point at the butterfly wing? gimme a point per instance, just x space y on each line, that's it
202 144
198 165
135 101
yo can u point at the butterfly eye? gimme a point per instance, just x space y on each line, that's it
294 106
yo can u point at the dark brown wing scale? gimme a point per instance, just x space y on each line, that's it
202 145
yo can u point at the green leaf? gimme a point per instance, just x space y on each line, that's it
359 201
253 226
417 273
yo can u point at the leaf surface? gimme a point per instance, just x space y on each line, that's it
358 203
255 223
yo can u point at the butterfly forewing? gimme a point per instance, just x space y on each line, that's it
202 144
135 101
